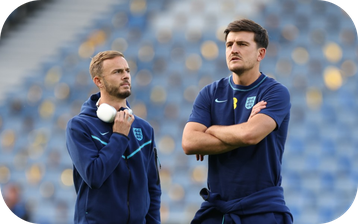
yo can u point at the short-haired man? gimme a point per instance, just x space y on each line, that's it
241 122
113 152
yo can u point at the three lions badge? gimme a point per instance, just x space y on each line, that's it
138 133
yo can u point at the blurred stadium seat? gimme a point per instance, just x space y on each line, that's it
175 48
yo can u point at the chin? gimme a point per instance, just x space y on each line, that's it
125 94
236 68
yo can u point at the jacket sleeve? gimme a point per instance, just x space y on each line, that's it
93 165
155 192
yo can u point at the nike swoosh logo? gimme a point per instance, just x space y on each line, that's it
104 133
219 101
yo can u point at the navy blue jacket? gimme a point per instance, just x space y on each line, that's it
116 177
265 206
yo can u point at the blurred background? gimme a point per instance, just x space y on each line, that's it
175 48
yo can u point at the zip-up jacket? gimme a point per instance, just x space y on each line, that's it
269 200
115 176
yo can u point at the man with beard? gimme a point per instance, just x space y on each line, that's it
241 123
113 152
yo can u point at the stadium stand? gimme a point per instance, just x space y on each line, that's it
175 48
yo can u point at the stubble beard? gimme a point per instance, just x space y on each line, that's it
113 91
241 69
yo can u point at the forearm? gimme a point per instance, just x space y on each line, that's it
95 165
153 215
197 142
198 139
235 135
246 133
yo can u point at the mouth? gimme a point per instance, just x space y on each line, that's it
125 84
235 58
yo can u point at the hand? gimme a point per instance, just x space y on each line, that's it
199 157
123 122
257 108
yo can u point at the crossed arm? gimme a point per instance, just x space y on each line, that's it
217 139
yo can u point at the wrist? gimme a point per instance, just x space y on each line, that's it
121 134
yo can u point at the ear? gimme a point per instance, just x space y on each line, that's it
261 54
98 82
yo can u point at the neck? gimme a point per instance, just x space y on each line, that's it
246 78
114 102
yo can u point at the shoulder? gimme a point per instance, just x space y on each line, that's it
143 123
76 122
73 121
223 82
272 85
218 84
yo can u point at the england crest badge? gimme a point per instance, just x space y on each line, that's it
138 133
250 102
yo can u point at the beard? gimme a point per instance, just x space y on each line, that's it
113 91
241 69
245 65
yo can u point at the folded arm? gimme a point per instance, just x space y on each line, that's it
244 134
196 141
200 140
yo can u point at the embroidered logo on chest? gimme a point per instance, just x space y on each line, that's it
138 133
250 102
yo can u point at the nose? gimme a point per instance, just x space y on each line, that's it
235 48
126 75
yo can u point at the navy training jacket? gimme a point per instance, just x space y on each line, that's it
265 206
116 177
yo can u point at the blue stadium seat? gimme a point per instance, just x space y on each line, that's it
320 151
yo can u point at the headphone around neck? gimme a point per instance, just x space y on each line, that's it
107 113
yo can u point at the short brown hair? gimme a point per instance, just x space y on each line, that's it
260 37
97 61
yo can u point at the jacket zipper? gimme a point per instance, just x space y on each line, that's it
129 182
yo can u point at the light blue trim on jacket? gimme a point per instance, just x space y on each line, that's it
137 150
132 154
98 139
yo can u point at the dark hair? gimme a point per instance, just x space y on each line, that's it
260 37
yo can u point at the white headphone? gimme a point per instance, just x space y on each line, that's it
107 113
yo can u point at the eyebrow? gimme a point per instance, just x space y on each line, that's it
120 69
239 42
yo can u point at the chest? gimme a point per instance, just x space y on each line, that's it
138 135
233 107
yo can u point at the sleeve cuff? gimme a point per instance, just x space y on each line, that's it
121 134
